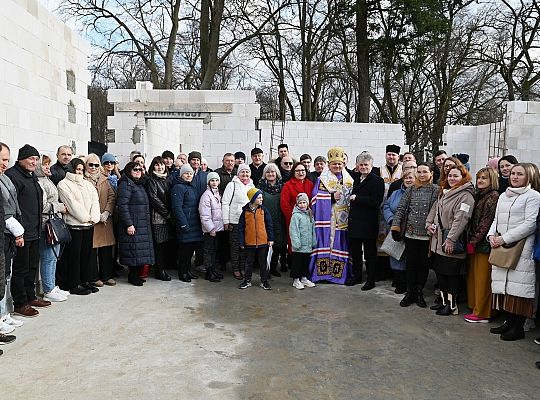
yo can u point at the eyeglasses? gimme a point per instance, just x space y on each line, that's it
108 163
300 171
288 163
137 169
93 165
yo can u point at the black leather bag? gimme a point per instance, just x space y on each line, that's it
56 230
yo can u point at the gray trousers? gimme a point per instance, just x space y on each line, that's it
238 255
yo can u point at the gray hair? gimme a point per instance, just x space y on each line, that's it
271 167
364 156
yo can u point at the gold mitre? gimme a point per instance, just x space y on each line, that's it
336 154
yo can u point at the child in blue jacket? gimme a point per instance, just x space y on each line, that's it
302 233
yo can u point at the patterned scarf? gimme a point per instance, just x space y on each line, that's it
266 187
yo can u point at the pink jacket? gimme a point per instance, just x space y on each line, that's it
210 211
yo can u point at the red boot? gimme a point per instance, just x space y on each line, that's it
144 271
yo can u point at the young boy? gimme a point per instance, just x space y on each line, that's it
301 231
255 235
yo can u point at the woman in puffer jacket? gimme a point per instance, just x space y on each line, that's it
233 199
212 222
82 203
515 219
185 207
49 253
446 222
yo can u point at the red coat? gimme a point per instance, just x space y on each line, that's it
290 190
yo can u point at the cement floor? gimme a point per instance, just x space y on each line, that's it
172 340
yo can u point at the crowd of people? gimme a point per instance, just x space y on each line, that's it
320 223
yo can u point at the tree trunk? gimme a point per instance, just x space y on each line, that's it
362 57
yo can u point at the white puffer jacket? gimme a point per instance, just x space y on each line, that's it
515 219
81 200
233 199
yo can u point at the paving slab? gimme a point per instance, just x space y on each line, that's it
173 340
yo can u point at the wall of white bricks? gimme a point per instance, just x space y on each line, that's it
36 49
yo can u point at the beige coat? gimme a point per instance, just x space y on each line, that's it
455 208
103 231
80 199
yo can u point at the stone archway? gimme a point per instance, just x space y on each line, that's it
211 121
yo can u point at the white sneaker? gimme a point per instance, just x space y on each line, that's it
12 321
297 284
60 291
306 282
54 296
6 328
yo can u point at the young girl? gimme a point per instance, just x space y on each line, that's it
212 222
301 231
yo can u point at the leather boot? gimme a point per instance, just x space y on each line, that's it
450 308
133 277
516 330
160 274
192 275
506 326
217 274
439 305
184 277
420 302
210 276
410 298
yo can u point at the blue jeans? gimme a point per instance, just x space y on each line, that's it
47 267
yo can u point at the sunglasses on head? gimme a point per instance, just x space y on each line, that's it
137 169
93 165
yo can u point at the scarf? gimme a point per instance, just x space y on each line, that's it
93 177
271 189
512 191
163 176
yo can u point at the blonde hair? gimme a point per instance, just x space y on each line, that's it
92 157
45 159
492 175
533 175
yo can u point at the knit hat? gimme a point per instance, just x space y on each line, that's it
108 157
185 169
27 151
302 197
256 150
238 155
392 148
252 194
194 154
212 175
243 167
167 154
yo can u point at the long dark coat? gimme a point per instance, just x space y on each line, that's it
185 207
133 209
365 208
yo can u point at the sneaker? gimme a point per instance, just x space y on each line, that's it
265 285
297 284
306 282
60 291
245 284
6 328
475 319
6 339
54 296
537 340
8 319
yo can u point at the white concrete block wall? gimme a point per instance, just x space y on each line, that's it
34 57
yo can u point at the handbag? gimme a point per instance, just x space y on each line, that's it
507 255
392 248
56 230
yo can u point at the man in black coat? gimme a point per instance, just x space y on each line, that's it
226 172
64 154
26 261
366 199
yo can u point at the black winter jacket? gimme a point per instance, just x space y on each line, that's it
159 194
365 208
30 198
58 172
133 209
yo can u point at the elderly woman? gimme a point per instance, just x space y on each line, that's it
365 203
104 241
49 253
446 222
135 244
233 199
82 203
271 186
330 205
515 220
